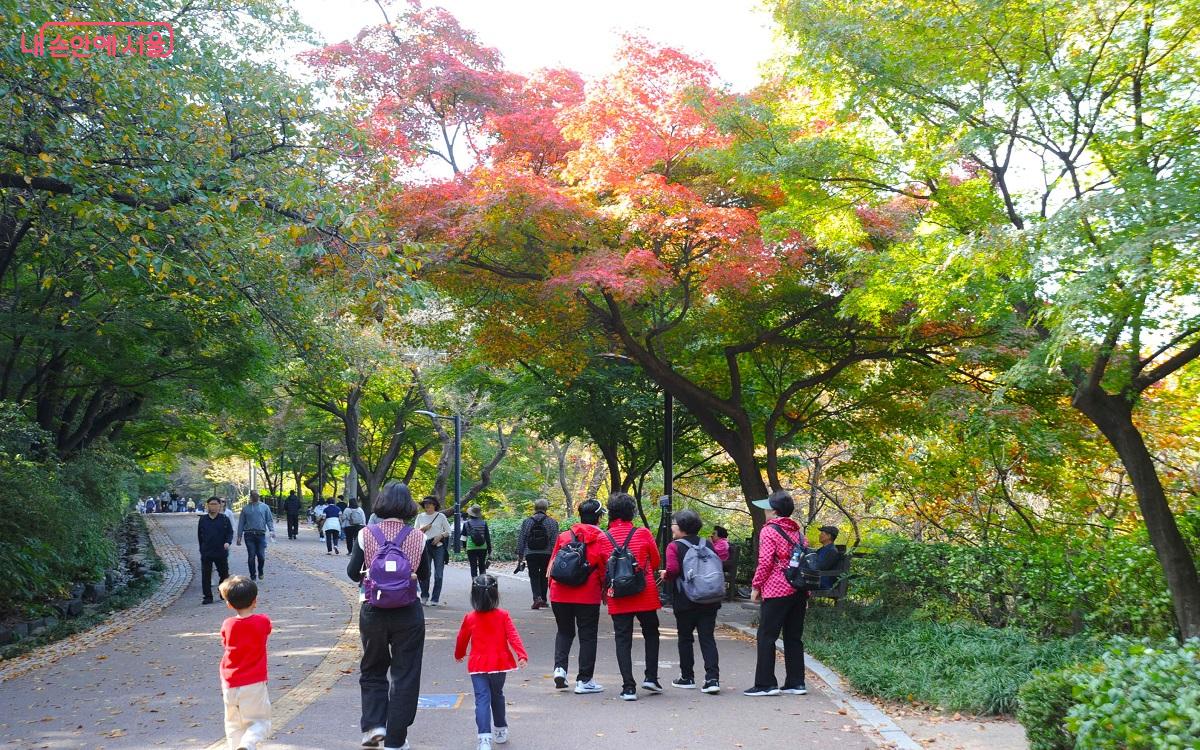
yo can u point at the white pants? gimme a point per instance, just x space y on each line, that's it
247 715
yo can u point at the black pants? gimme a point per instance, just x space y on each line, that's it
783 614
350 535
392 641
206 567
537 575
623 630
478 560
569 617
293 523
703 621
331 540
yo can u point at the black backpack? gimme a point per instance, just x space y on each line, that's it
476 533
539 537
571 566
623 577
800 572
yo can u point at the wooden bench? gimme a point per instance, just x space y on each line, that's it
840 574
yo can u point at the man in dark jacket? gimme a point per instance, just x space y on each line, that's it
291 507
535 542
828 556
215 534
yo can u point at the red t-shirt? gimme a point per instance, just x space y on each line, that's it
245 659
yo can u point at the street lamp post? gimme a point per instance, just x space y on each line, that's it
457 421
320 485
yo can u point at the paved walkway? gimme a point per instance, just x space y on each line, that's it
155 684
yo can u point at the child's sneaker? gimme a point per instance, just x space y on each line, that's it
374 738
560 678
588 687
500 735
485 742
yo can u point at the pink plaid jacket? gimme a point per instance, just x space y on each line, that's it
773 555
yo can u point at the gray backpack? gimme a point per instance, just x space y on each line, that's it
702 578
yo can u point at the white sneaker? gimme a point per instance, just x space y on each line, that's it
374 737
588 687
485 742
500 735
560 678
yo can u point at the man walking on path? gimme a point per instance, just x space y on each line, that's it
535 540
215 534
255 522
291 506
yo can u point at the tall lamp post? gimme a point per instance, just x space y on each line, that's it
320 485
457 420
668 461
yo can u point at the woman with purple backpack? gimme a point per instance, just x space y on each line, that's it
387 560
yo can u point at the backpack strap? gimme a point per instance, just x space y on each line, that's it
377 532
784 534
611 540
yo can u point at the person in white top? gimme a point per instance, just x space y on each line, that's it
437 530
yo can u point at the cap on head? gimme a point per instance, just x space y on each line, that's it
780 501
475 511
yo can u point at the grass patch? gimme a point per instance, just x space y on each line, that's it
951 666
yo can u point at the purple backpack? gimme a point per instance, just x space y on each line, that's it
389 583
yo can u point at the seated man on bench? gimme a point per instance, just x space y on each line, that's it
828 556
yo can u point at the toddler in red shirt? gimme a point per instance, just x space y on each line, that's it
494 639
244 666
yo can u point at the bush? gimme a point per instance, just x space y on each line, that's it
1139 697
954 666
1042 705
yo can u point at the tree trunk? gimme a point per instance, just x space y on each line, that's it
560 452
1113 415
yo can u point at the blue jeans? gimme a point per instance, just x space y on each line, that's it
437 562
489 700
256 550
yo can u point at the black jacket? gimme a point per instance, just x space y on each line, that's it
291 506
213 534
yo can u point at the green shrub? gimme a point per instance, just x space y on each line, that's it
1042 705
958 666
1141 697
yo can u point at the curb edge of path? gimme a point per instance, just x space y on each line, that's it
865 713
177 574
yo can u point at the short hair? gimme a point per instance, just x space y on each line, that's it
688 521
485 593
590 511
213 499
396 502
782 503
832 531
239 591
353 502
541 505
254 495
721 532
621 506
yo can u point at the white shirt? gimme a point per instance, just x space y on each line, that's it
440 524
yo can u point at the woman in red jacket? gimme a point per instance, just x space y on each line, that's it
493 639
643 605
578 607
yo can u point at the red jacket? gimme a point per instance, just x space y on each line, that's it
245 659
645 551
491 635
597 553
774 552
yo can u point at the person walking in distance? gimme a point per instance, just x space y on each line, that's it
694 570
576 575
215 534
254 523
244 667
783 607
387 561
478 539
331 527
535 542
352 519
291 507
436 528
629 587
496 650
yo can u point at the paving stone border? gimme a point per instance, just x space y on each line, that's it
177 574
341 660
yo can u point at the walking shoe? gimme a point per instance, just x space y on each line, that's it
485 742
582 688
337 551
536 604
628 694
712 687
206 601
758 692
425 600
685 683
436 603
797 690
560 678
500 735
652 686
374 738
328 552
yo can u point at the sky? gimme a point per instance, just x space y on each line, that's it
734 35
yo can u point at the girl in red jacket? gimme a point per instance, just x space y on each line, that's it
494 639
